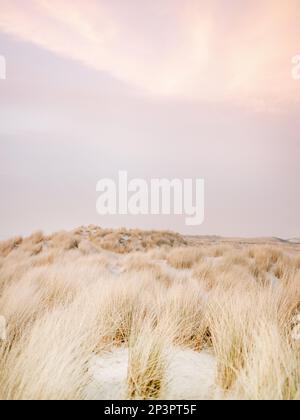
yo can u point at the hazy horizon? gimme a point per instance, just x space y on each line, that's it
191 89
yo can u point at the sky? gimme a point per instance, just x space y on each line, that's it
175 89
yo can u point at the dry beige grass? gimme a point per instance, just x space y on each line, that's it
70 297
184 258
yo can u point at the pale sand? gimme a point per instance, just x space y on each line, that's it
190 375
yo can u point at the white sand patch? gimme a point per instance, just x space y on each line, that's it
109 375
273 280
190 375
294 241
214 261
115 270
174 273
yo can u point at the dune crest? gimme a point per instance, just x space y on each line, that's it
96 313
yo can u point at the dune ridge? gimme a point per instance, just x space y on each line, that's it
72 298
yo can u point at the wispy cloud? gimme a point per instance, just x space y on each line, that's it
208 51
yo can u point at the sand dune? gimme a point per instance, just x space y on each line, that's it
95 313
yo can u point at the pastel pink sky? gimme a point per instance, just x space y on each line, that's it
167 88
